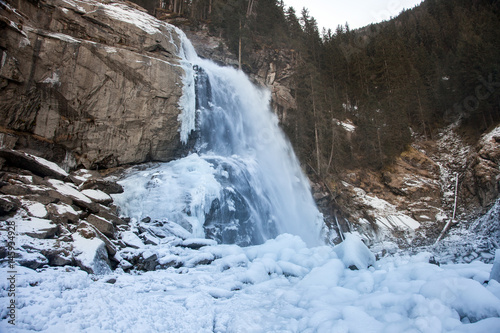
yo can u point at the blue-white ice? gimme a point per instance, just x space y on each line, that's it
242 184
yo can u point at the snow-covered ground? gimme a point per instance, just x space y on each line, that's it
279 286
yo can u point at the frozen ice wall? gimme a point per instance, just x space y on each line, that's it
243 183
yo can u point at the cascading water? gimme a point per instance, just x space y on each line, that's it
243 183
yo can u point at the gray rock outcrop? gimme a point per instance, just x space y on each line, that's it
89 83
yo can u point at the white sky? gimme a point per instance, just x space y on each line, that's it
358 13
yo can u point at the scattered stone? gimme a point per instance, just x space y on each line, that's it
106 186
132 240
111 281
101 224
98 196
62 213
31 260
8 205
197 243
36 227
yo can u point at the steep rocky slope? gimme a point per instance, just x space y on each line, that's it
87 83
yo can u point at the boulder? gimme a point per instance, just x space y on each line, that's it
91 255
37 165
56 252
101 224
31 260
80 176
109 214
68 190
36 227
62 213
148 262
106 186
98 196
132 240
8 205
110 247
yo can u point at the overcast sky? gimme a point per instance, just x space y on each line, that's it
358 13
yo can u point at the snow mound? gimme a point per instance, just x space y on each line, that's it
354 253
468 297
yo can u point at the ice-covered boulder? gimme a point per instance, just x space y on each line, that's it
468 297
495 271
354 253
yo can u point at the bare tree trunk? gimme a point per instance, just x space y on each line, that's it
381 156
210 7
239 49
331 151
250 7
316 136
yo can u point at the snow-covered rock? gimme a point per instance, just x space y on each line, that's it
495 270
98 196
131 239
196 243
101 224
36 227
37 165
354 253
91 255
468 297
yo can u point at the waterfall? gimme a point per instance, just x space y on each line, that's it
242 184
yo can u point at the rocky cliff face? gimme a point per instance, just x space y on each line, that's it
88 83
